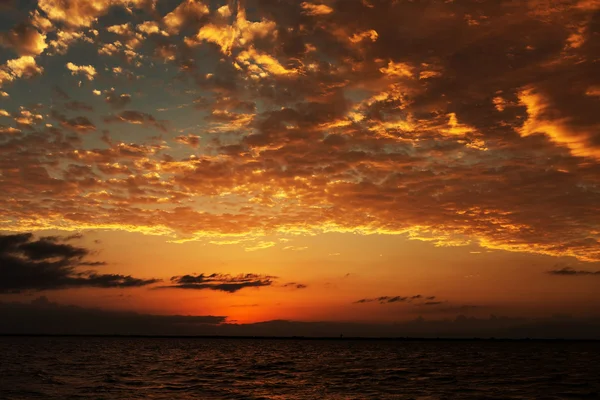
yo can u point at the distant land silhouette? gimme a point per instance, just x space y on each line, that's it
42 317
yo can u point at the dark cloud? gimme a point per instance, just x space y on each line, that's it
29 264
117 100
60 93
221 282
568 271
78 106
295 285
394 299
67 238
78 124
190 140
136 118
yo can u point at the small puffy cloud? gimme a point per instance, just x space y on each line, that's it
316 9
116 100
24 39
23 67
9 130
190 140
188 12
150 28
86 70
64 39
123 29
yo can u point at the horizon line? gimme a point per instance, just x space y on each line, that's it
292 337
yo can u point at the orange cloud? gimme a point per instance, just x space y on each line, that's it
542 120
25 40
86 70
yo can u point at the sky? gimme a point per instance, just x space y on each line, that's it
383 167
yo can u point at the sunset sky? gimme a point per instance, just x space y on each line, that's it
364 161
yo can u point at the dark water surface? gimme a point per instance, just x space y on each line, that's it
154 368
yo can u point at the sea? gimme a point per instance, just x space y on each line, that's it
198 368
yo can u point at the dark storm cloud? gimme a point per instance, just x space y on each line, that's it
29 264
221 282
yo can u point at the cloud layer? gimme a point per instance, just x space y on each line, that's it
451 122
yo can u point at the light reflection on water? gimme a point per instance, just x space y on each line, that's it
152 368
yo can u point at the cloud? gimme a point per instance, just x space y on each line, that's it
83 13
190 140
188 13
136 118
568 271
86 70
64 39
240 34
24 66
75 105
116 100
29 264
220 282
332 125
316 9
24 39
396 299
78 124
8 130
295 285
